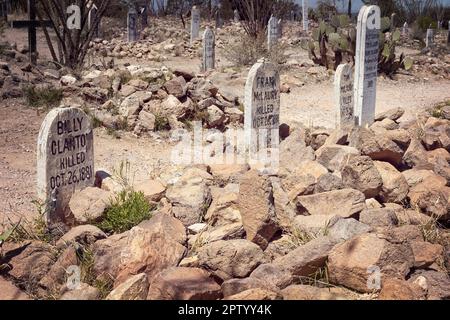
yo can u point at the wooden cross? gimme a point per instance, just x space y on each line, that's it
31 24
4 9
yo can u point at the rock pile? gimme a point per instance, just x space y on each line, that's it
360 205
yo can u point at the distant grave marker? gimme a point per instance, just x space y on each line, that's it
366 64
272 32
209 49
144 16
429 40
343 84
132 24
93 12
65 159
195 23
218 16
237 18
448 33
305 15
262 107
405 29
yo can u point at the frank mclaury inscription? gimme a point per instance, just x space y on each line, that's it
262 107
65 160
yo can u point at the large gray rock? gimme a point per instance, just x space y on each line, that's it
344 203
294 147
377 147
302 261
134 288
184 284
395 188
190 197
383 217
391 114
89 204
256 205
176 87
352 263
230 259
150 247
333 157
85 234
360 173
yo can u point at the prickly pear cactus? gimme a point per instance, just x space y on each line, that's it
332 43
335 42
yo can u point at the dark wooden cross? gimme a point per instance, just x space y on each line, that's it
4 10
31 24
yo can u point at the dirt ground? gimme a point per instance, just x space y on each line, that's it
311 104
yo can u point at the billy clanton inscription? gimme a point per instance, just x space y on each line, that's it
65 159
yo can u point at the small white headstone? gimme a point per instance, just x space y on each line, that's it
209 48
195 23
65 159
366 64
405 29
429 40
132 24
91 20
305 10
262 107
272 32
343 84
236 16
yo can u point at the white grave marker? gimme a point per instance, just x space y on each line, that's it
405 29
272 32
132 24
195 23
343 85
429 40
262 107
65 159
366 64
236 16
91 20
209 56
305 15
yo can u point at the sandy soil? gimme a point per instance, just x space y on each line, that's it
311 104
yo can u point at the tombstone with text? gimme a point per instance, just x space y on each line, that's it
65 159
366 64
343 85
209 44
262 108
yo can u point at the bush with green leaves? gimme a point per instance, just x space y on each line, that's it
127 210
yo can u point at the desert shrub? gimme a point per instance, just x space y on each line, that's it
42 97
85 257
426 22
161 123
416 33
127 210
246 51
